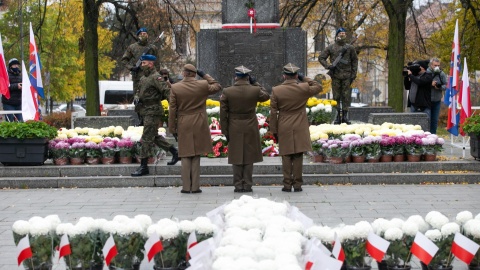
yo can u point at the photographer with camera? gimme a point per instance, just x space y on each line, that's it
439 85
419 81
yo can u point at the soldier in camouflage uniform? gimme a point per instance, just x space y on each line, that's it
153 89
343 74
133 53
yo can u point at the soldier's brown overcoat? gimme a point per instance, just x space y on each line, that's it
239 123
187 115
288 116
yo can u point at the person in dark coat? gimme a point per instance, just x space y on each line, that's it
289 123
239 124
14 103
419 82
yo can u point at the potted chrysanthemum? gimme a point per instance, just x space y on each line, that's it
353 242
58 151
173 245
472 231
108 148
414 148
125 150
77 152
92 152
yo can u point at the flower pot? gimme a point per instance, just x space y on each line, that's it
166 268
77 161
60 161
43 266
398 158
413 158
473 267
28 152
124 160
348 159
317 158
92 160
373 160
108 160
382 265
474 145
386 158
399 267
358 159
335 160
435 267
366 267
430 157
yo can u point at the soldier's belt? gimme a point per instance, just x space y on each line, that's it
150 102
241 116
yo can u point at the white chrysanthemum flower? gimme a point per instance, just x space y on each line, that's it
397 222
267 265
477 216
39 227
433 235
186 226
54 220
111 227
99 222
362 229
204 225
436 219
463 217
380 225
472 227
121 219
450 228
262 131
86 224
264 253
167 229
65 228
287 262
410 228
322 233
393 234
21 227
144 220
421 223
223 263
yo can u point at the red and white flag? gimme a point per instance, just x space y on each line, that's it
23 250
109 250
337 250
153 246
29 98
64 249
191 242
450 98
463 248
464 97
376 246
423 248
4 81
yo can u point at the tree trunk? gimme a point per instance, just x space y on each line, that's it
90 23
397 14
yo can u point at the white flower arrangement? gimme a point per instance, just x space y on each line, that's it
436 219
463 217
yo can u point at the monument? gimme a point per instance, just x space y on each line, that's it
252 38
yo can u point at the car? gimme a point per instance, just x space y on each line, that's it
77 109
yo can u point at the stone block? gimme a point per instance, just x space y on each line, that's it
401 118
234 11
124 112
361 114
103 121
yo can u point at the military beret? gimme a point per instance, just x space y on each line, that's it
13 61
190 67
242 71
290 69
143 29
341 29
148 57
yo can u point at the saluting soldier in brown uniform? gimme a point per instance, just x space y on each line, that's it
289 124
187 121
238 120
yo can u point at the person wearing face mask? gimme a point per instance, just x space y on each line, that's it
153 89
14 103
133 54
343 73
439 85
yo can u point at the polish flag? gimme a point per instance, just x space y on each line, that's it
29 98
23 250
423 248
4 81
376 246
191 242
464 97
153 246
337 250
109 250
463 248
64 247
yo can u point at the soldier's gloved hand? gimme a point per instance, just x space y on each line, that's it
175 135
275 135
252 79
136 99
331 67
135 69
200 73
301 77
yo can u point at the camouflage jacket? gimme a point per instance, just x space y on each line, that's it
153 89
347 67
133 53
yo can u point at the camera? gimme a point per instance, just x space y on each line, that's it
413 67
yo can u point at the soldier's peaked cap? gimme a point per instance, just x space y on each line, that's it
148 57
290 69
190 67
143 29
242 71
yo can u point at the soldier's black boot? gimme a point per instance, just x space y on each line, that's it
338 120
345 118
143 169
174 152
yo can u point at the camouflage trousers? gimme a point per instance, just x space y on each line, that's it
342 92
150 137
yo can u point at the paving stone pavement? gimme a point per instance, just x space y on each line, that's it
326 205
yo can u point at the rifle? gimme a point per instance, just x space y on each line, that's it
339 57
139 62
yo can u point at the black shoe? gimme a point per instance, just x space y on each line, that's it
175 158
197 191
287 189
239 190
345 118
143 169
297 189
338 120
248 190
184 191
